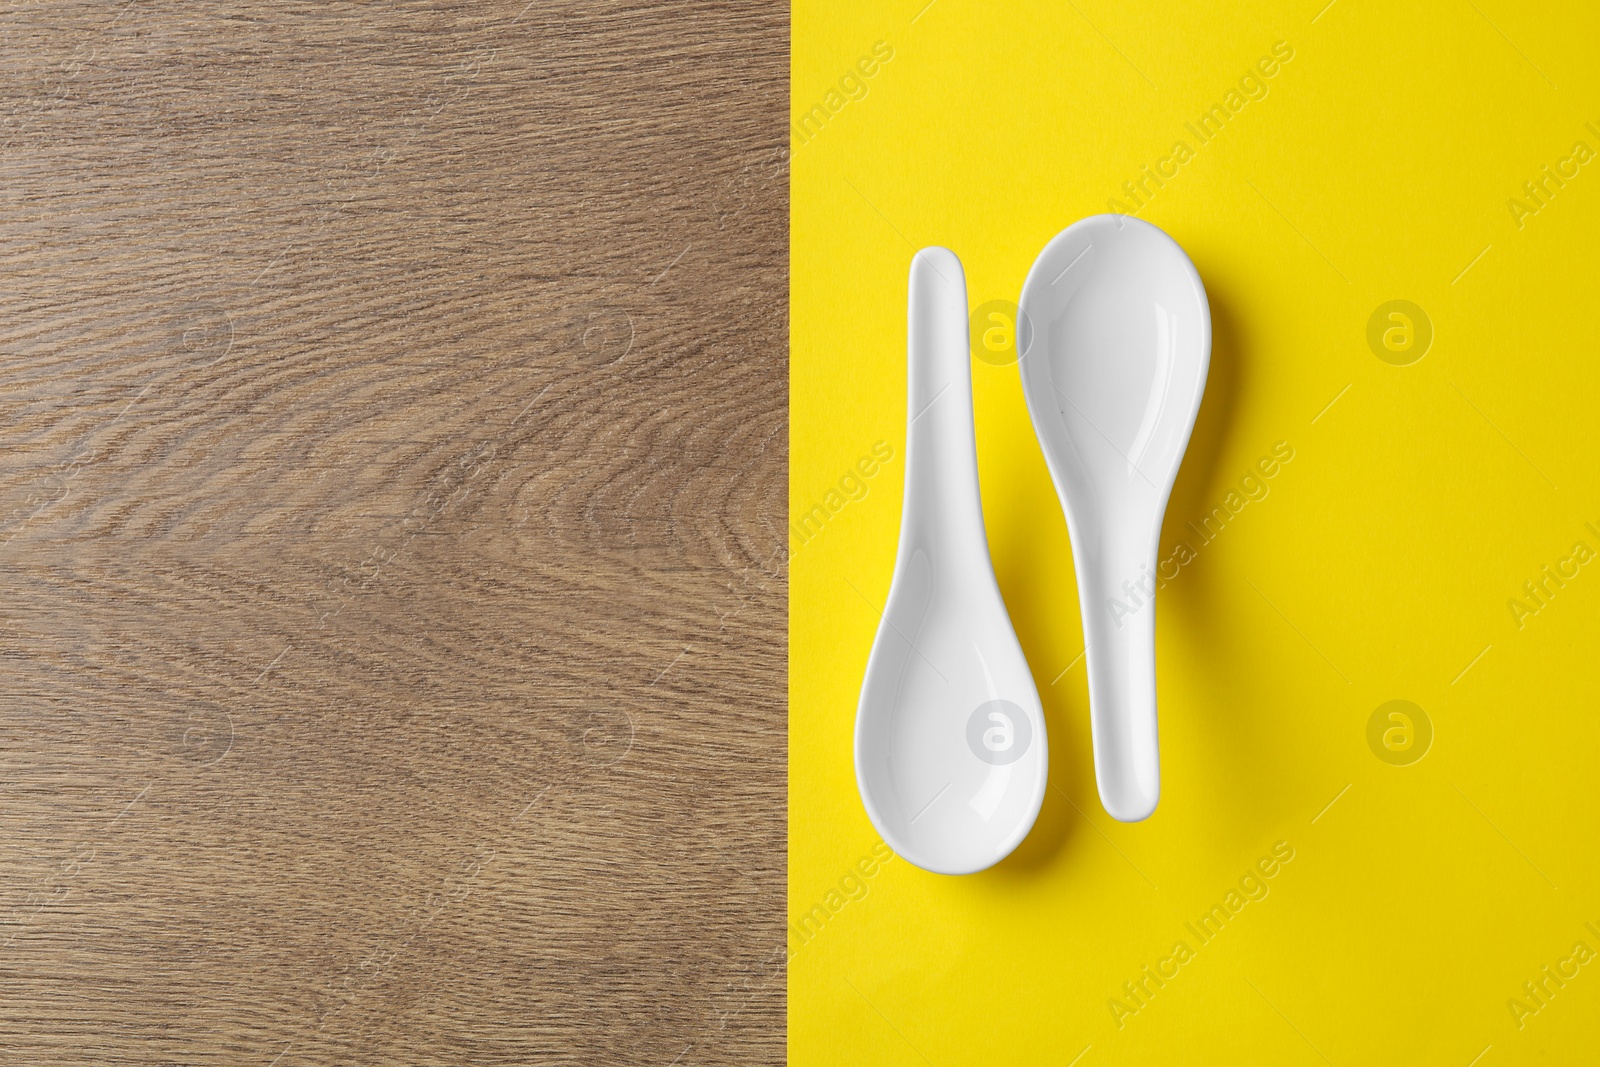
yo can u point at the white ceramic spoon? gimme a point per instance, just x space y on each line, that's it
1115 333
950 740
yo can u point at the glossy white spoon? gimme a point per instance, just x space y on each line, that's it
950 740
1115 332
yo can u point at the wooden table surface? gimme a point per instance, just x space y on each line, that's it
392 493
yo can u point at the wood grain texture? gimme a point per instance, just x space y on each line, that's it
392 480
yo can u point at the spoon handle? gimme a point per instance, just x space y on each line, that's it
942 504
1117 594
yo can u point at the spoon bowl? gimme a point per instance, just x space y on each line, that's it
950 740
1115 335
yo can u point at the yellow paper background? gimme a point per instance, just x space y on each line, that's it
1380 565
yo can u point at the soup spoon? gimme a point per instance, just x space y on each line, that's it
1115 335
950 740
